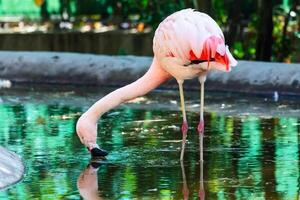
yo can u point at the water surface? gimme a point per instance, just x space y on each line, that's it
251 146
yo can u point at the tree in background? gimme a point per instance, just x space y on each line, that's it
265 31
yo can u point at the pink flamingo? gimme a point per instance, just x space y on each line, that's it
187 44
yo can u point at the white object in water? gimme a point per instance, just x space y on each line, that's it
276 96
11 168
5 83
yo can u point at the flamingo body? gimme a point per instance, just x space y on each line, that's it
187 36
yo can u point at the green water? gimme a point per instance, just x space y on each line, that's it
251 147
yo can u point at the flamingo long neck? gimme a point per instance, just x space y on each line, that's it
155 76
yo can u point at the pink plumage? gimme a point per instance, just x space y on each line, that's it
190 35
187 44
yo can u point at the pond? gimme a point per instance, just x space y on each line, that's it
251 146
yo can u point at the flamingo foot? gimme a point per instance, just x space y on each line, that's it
201 127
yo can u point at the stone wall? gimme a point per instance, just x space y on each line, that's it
86 69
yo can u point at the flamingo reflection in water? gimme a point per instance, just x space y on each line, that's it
185 189
87 182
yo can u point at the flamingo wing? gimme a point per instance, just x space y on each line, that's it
192 36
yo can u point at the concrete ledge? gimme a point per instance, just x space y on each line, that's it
11 168
72 68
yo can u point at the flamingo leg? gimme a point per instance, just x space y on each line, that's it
184 127
201 122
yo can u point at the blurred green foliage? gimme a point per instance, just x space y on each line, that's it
148 11
240 20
